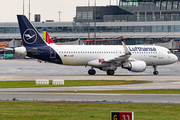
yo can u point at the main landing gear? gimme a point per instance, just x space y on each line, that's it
91 72
110 72
155 70
112 69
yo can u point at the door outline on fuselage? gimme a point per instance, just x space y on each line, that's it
52 53
160 53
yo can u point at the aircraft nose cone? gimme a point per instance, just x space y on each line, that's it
175 58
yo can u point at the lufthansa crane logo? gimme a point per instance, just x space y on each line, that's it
30 36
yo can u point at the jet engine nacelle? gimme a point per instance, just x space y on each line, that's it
135 66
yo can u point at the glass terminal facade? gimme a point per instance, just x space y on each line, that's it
84 29
113 29
147 10
141 18
149 5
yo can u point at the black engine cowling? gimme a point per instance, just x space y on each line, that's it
135 66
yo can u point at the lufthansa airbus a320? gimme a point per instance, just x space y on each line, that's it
135 58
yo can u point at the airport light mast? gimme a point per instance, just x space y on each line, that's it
29 10
59 15
88 21
23 7
95 24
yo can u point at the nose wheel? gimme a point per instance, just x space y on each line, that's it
91 72
155 70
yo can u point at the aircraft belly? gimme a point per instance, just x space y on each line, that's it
74 61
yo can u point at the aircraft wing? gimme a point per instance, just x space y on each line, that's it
118 59
121 58
114 61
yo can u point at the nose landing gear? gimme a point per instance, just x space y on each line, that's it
155 70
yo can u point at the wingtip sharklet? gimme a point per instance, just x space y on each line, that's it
127 52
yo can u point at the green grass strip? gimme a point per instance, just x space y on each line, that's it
84 111
30 84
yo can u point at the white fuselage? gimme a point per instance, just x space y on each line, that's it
134 58
81 55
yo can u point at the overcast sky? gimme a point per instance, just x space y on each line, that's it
47 8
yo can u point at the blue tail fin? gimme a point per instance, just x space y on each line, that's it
29 34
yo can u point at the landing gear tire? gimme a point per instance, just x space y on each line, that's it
155 72
110 72
91 72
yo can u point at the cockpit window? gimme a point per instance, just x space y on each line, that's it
169 52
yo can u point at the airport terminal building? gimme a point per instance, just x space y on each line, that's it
132 21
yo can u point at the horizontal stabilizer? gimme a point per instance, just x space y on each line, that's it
33 50
6 49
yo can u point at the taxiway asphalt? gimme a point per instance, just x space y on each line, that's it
92 97
13 70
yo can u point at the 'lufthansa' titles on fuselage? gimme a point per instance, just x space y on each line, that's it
142 48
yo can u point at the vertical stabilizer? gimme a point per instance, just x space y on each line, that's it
29 34
47 38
